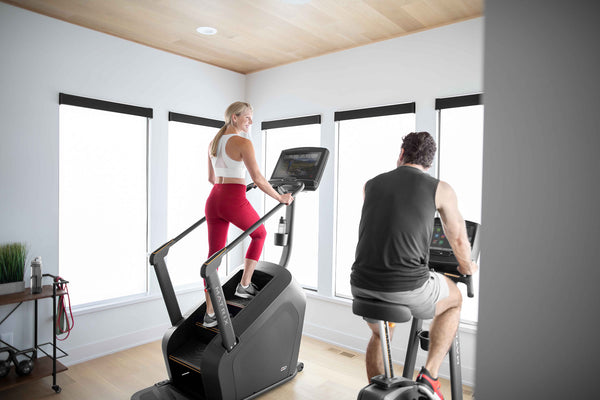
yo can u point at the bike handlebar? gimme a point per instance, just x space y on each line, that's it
457 277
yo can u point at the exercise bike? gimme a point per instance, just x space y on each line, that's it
391 387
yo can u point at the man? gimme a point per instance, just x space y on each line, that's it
393 251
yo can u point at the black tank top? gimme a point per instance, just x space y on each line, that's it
395 230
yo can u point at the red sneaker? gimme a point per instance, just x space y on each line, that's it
430 385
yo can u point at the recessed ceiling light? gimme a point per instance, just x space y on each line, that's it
206 30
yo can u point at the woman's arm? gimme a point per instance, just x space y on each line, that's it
247 153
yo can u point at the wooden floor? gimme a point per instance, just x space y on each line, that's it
329 373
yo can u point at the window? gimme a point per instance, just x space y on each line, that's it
188 189
304 260
368 144
460 159
102 198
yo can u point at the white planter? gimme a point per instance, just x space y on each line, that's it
12 287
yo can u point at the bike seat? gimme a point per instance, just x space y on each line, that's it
380 310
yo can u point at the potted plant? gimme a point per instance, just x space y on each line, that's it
12 267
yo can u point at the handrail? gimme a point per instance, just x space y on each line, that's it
213 283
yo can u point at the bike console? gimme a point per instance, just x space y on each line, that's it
441 256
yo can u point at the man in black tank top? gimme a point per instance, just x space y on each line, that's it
395 230
392 253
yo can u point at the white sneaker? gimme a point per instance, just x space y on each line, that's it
246 293
209 321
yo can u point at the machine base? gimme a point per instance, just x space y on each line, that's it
375 392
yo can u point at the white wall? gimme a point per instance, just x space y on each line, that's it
540 176
41 57
421 67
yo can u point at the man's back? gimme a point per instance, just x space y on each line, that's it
395 230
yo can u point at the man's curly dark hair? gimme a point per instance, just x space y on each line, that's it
419 148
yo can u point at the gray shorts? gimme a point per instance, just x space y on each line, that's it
421 301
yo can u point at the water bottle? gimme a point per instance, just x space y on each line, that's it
281 237
281 228
36 275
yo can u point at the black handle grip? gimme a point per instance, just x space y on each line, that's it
292 187
468 280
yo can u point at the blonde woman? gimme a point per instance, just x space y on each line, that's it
230 154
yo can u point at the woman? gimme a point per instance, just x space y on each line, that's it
230 154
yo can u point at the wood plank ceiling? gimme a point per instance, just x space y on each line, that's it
254 35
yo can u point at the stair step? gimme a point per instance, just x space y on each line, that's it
234 306
190 354
238 302
213 329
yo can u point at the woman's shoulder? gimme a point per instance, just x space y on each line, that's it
239 140
238 146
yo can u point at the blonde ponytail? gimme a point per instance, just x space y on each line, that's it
215 142
236 108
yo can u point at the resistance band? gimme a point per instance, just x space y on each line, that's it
64 315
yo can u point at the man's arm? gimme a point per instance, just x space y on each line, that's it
454 227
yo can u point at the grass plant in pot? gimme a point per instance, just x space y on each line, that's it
12 267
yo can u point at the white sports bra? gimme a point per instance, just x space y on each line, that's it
224 165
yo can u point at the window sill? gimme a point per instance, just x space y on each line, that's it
104 305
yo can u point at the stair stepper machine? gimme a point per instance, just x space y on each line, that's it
254 348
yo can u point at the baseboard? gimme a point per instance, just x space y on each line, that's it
359 344
113 345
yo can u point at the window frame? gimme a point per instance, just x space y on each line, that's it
440 105
339 116
204 122
127 109
314 119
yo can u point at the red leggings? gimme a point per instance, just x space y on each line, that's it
226 204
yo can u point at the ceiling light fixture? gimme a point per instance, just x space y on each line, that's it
206 30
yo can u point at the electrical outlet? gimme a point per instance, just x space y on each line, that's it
7 338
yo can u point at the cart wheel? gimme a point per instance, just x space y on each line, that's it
57 388
300 366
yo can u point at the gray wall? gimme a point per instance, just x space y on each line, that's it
540 282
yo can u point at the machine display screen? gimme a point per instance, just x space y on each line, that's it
441 256
303 164
439 241
297 166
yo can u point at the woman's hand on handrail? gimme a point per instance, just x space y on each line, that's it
286 198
